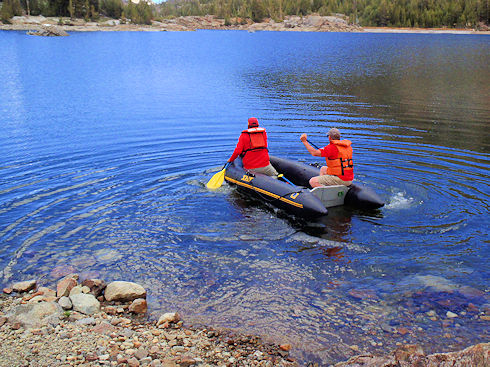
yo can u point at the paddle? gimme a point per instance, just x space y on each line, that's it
313 145
217 180
285 179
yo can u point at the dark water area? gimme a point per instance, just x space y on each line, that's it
108 139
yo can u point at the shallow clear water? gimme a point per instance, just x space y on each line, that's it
107 141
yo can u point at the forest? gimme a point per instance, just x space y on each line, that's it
377 13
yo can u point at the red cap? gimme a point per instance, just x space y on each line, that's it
253 122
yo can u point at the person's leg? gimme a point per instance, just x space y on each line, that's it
327 180
314 182
268 170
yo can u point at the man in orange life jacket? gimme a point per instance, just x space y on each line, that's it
252 147
338 154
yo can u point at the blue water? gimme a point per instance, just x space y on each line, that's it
107 140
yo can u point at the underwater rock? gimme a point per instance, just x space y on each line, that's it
413 355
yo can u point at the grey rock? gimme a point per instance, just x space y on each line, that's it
124 291
141 353
48 30
35 315
168 317
112 22
126 332
386 328
451 315
85 303
76 290
65 303
25 286
86 321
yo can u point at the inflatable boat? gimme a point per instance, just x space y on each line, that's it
292 193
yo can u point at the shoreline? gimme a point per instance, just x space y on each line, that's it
97 324
424 30
311 23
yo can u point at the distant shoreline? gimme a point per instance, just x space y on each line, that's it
193 23
423 30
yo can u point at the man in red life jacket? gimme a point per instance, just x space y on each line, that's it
252 147
338 154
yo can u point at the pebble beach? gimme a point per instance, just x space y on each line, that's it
41 327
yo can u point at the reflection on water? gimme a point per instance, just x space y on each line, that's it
104 164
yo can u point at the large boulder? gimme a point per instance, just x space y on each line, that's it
85 303
25 286
35 315
124 291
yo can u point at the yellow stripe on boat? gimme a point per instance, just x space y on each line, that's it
275 196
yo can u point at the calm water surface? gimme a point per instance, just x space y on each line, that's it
107 141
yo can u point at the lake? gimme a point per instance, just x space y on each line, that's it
107 140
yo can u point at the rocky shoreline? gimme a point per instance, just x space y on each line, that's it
97 324
94 324
39 25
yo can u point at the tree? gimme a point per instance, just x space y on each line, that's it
6 13
70 9
9 9
112 8
258 11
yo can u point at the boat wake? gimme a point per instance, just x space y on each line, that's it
400 201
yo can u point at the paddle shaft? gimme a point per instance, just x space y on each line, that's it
285 179
313 145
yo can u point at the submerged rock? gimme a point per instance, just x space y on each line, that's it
413 355
436 283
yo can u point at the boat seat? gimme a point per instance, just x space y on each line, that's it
331 195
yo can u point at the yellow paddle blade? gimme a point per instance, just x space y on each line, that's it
217 180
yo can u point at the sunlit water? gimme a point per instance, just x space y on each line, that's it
107 141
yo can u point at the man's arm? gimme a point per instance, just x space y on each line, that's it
314 152
238 150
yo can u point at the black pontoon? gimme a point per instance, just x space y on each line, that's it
295 196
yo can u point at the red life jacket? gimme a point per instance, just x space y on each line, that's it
344 163
258 139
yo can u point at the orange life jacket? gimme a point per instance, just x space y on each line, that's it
257 139
344 163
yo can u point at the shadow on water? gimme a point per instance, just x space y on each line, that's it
335 226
